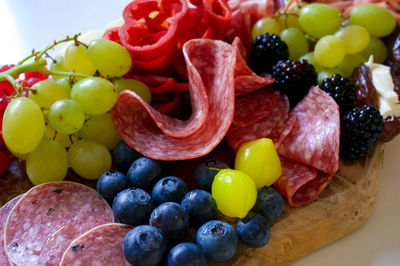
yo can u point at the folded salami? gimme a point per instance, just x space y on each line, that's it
101 245
48 217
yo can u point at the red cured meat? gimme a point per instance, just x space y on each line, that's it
314 141
300 183
282 130
255 106
48 217
262 128
101 245
211 67
4 212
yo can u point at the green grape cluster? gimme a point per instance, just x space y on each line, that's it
339 45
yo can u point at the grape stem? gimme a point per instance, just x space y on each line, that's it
215 169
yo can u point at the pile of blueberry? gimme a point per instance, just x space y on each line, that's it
166 214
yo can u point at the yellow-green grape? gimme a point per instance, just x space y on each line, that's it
101 129
23 125
349 63
89 159
355 38
57 65
264 25
377 48
95 95
235 192
77 60
296 42
110 58
311 60
259 159
329 51
46 92
47 163
51 134
21 156
66 116
289 20
66 83
134 85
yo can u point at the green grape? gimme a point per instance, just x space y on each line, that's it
134 85
329 51
319 20
57 65
110 58
51 134
235 192
47 163
270 25
46 92
378 21
327 73
355 38
349 63
101 129
296 42
289 20
66 83
95 95
77 60
89 159
66 116
260 161
377 48
23 125
311 60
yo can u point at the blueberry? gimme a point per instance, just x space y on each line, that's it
123 156
132 206
170 218
253 230
144 245
143 173
269 203
111 183
169 188
218 240
204 176
201 207
186 254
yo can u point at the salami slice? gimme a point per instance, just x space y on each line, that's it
314 141
48 217
255 106
283 129
4 212
236 136
300 183
101 245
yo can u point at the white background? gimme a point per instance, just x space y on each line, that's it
28 24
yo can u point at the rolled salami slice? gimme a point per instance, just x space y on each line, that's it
101 245
283 129
48 217
314 140
4 212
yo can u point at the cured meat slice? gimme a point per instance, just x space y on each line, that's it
48 217
300 183
255 106
314 141
282 130
211 67
101 245
262 128
4 212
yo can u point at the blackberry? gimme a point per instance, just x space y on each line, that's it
266 51
360 131
294 78
341 90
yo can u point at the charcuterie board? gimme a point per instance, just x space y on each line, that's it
342 207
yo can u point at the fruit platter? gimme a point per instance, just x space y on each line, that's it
199 133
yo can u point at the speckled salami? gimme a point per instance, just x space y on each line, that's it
254 106
314 140
211 67
283 129
4 212
101 245
299 183
236 136
48 217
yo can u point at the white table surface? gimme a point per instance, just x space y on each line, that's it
27 24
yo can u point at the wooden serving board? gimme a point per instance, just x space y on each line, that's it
343 206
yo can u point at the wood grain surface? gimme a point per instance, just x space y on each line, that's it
343 206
